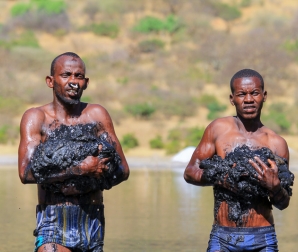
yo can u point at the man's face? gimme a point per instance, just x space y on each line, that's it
248 97
69 80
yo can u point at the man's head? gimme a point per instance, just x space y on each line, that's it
67 78
247 93
246 73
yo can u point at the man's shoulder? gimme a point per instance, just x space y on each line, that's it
223 121
35 111
273 136
95 108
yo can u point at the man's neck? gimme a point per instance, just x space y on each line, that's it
248 125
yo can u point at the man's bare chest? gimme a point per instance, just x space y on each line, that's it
228 142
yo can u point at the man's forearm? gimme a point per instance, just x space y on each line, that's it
280 199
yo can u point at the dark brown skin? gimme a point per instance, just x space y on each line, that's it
224 134
37 122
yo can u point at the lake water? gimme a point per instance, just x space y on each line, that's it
155 210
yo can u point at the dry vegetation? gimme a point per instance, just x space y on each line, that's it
161 67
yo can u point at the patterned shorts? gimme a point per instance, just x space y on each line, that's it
230 239
79 227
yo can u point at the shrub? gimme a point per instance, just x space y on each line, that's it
87 99
175 138
245 3
214 107
152 24
19 9
156 143
50 6
4 134
214 110
277 119
193 137
45 15
151 45
143 110
173 147
47 6
129 141
227 12
104 29
26 38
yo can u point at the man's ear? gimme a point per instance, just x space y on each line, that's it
265 96
50 81
86 83
231 99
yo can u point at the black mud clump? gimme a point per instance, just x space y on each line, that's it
236 171
67 146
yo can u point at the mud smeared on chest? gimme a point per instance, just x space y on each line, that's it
238 172
67 146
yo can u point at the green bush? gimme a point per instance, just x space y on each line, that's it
227 12
173 147
276 118
86 99
143 110
104 29
4 134
174 143
47 6
214 107
50 6
129 141
152 24
19 9
151 45
156 143
193 137
291 45
26 38
245 3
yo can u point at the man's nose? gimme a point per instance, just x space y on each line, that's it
248 98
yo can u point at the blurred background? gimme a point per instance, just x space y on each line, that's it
161 67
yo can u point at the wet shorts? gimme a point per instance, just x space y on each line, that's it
226 239
78 227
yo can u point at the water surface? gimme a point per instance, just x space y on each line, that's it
155 210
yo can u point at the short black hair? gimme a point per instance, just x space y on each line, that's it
246 73
72 54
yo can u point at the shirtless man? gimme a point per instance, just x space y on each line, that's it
222 136
72 219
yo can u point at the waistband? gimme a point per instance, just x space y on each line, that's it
86 208
244 230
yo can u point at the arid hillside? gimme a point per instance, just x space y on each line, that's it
161 67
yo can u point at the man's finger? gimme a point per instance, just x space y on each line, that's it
272 164
256 167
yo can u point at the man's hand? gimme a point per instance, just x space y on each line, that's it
267 176
94 166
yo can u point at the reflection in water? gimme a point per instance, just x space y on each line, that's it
153 211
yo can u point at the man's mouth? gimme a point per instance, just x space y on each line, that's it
249 108
74 89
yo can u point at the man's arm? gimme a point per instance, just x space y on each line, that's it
268 175
193 174
101 115
30 137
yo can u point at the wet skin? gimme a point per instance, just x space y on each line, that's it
68 84
225 134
